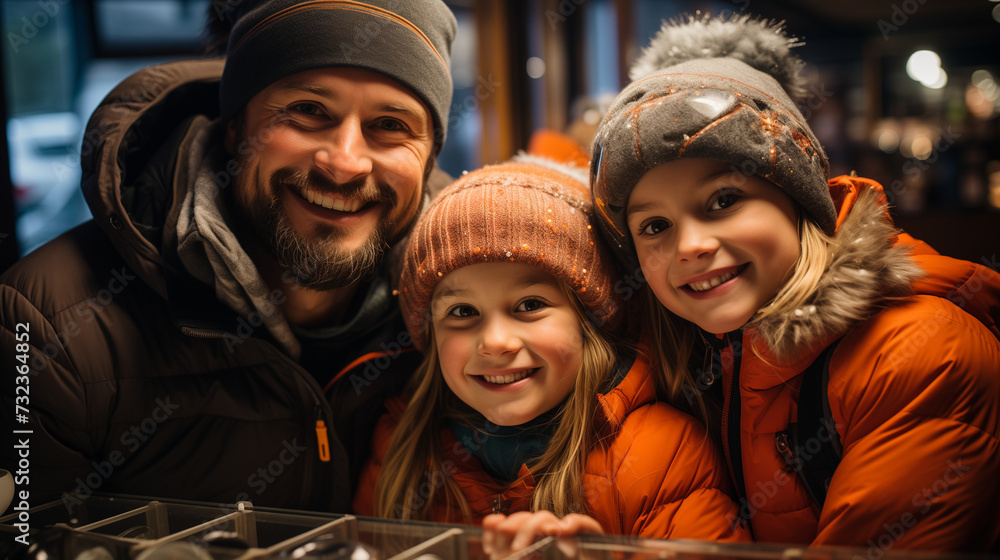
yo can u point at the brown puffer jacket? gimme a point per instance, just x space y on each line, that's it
914 390
141 381
659 477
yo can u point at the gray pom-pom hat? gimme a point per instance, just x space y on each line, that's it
715 88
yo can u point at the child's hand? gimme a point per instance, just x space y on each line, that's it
505 534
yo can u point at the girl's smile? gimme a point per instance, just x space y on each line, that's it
507 378
508 339
714 283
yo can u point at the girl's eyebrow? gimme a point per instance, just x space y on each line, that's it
520 285
450 292
712 177
709 179
528 282
640 207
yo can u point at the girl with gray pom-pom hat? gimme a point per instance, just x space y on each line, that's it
781 301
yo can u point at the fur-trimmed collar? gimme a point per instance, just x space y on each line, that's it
866 271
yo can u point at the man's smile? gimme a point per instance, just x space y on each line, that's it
333 201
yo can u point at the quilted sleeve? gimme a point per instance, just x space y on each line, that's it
663 477
915 392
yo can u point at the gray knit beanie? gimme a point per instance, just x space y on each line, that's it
716 88
406 40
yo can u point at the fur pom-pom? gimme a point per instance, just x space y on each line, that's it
759 43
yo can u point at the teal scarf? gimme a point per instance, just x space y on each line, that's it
503 449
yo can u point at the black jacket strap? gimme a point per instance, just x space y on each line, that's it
814 437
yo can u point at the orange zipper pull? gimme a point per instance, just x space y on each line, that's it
324 441
501 505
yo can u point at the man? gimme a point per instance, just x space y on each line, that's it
224 329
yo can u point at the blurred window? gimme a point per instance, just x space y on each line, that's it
43 130
461 151
601 48
150 25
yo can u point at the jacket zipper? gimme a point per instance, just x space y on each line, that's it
323 443
322 412
783 443
320 406
201 333
321 436
500 505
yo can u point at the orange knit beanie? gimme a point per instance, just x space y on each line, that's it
529 210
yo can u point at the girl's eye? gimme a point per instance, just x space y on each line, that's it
462 311
653 227
725 199
530 305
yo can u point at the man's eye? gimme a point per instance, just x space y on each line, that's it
309 109
391 125
653 227
530 305
462 311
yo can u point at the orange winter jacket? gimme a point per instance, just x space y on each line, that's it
914 389
659 476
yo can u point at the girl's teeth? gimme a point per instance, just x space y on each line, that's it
711 282
505 379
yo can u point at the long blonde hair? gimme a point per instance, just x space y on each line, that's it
409 493
674 340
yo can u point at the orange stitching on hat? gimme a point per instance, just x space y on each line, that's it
634 112
780 110
342 5
771 125
804 143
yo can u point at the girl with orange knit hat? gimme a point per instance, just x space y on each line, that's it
526 404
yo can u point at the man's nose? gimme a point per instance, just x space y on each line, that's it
344 153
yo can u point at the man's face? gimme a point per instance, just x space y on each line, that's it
332 163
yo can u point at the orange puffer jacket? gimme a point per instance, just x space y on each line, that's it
914 389
659 477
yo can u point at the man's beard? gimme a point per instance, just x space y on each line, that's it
319 263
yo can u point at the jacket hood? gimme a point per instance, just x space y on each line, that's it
132 179
866 270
